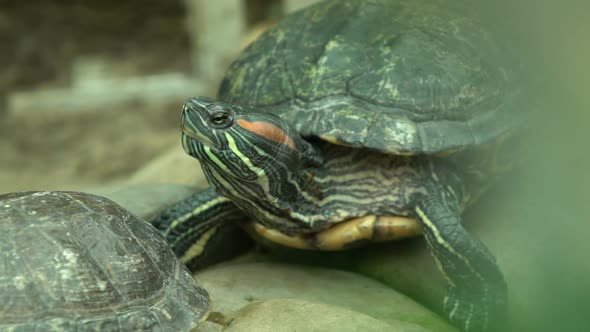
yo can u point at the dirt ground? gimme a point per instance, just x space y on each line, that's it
93 147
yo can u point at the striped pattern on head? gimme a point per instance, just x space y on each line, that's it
248 156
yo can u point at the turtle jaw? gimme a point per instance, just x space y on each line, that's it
192 145
190 138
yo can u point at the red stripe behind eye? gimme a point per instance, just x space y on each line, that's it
269 131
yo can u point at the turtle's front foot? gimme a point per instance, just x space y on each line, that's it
481 309
477 295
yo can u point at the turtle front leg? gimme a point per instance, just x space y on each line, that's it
477 293
203 229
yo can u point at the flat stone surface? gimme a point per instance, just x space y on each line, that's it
299 315
233 286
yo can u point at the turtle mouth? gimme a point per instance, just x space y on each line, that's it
196 136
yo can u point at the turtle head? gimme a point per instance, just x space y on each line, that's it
240 142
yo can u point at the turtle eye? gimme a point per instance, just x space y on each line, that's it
220 120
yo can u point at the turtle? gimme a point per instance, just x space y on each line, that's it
73 261
352 122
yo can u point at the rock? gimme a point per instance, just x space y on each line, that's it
233 286
299 315
171 167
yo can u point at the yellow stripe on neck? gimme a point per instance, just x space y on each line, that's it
198 247
194 212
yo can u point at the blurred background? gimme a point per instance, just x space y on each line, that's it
90 93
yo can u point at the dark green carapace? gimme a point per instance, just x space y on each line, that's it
399 76
353 122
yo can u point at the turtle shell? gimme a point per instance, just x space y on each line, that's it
78 262
400 76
